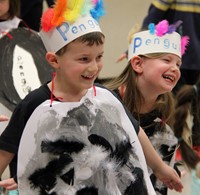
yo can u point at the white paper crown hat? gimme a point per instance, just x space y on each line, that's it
68 20
158 39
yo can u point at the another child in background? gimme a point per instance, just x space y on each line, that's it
81 140
145 85
31 12
20 48
186 128
9 12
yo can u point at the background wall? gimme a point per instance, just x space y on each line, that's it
119 19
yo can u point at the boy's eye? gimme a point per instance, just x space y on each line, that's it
99 57
83 59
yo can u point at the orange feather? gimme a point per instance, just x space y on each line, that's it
59 9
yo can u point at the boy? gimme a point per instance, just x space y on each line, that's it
71 136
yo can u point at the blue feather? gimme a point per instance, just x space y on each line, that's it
98 10
151 27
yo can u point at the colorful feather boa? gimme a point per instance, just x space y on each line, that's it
69 11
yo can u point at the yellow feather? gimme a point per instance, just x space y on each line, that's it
74 10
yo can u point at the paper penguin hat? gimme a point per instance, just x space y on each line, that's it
161 38
68 20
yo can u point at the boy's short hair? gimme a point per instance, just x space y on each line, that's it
90 38
14 8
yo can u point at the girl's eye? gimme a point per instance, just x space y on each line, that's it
166 60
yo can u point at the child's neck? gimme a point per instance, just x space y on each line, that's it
147 107
148 102
66 95
4 18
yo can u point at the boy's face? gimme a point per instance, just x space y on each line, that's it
80 65
4 8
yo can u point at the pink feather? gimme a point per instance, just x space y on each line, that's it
162 28
184 43
95 1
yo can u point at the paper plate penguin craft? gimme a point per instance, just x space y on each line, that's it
23 66
64 150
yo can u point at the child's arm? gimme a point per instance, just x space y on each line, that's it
5 159
162 171
9 184
3 118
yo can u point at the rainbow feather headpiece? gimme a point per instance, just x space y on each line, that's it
68 20
160 38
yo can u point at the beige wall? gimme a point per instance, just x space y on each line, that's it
120 16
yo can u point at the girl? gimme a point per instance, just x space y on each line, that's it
145 87
9 11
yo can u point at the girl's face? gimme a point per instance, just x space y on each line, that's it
79 66
159 75
4 8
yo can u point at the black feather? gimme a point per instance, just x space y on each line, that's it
61 146
68 177
100 141
88 191
122 152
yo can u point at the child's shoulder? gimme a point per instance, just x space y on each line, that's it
37 96
43 90
111 91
